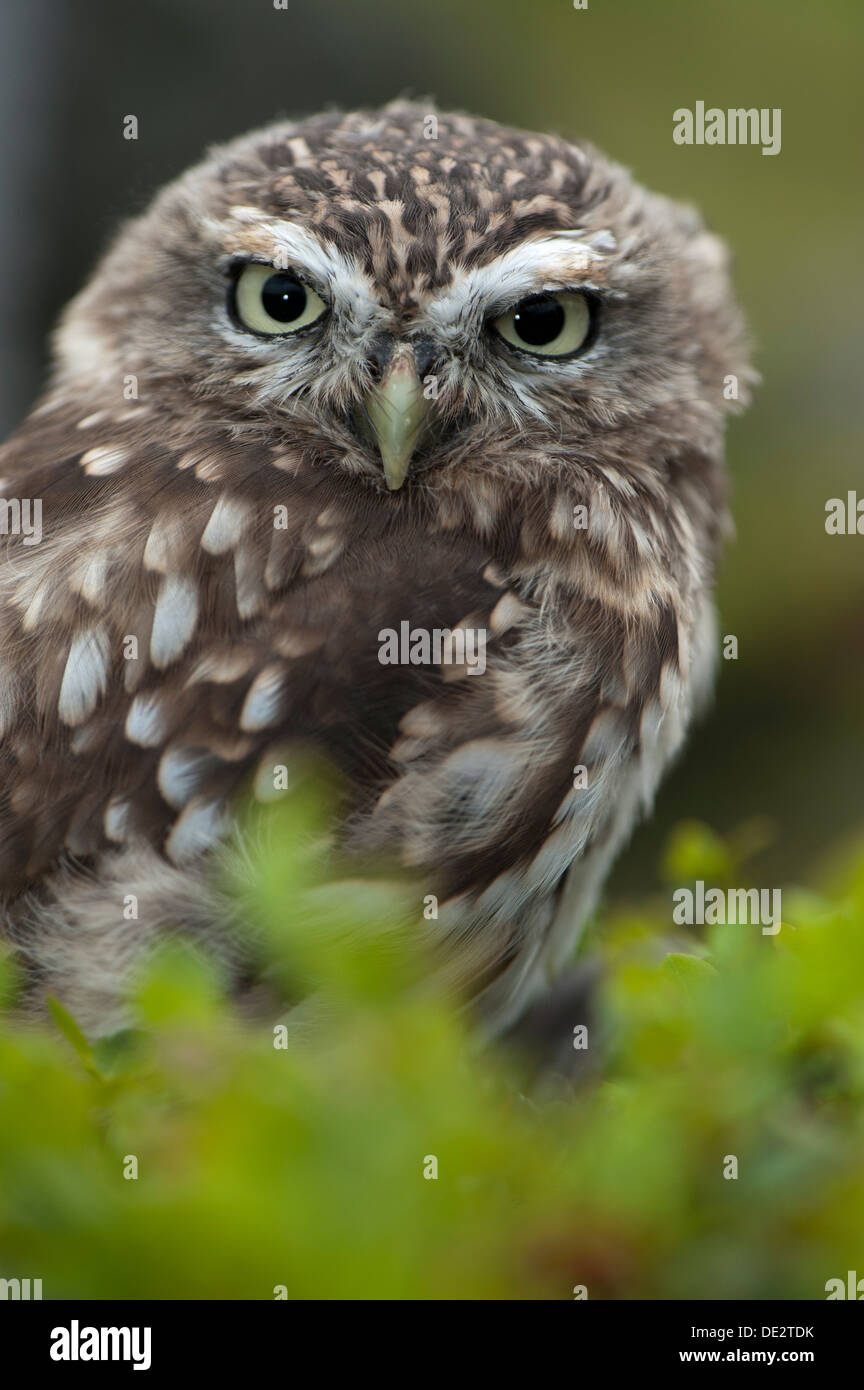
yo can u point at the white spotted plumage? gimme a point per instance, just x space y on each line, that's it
231 516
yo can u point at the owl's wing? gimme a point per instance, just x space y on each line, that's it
188 610
181 611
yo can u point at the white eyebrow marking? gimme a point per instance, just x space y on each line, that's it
553 262
290 245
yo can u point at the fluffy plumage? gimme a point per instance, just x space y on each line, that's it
171 437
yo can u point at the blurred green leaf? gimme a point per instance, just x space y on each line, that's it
695 851
362 1145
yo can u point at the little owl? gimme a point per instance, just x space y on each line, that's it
353 383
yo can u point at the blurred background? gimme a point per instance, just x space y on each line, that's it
786 737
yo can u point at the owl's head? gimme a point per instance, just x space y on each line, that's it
414 297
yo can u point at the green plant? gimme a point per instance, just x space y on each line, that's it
306 1169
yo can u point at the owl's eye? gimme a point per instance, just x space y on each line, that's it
275 301
550 325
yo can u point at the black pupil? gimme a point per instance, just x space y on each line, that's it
283 297
539 320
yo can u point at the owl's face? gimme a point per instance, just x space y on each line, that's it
389 291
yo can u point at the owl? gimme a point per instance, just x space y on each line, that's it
395 436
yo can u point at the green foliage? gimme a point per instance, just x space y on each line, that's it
303 1166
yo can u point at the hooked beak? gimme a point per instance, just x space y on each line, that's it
396 410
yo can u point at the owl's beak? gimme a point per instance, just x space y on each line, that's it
396 410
